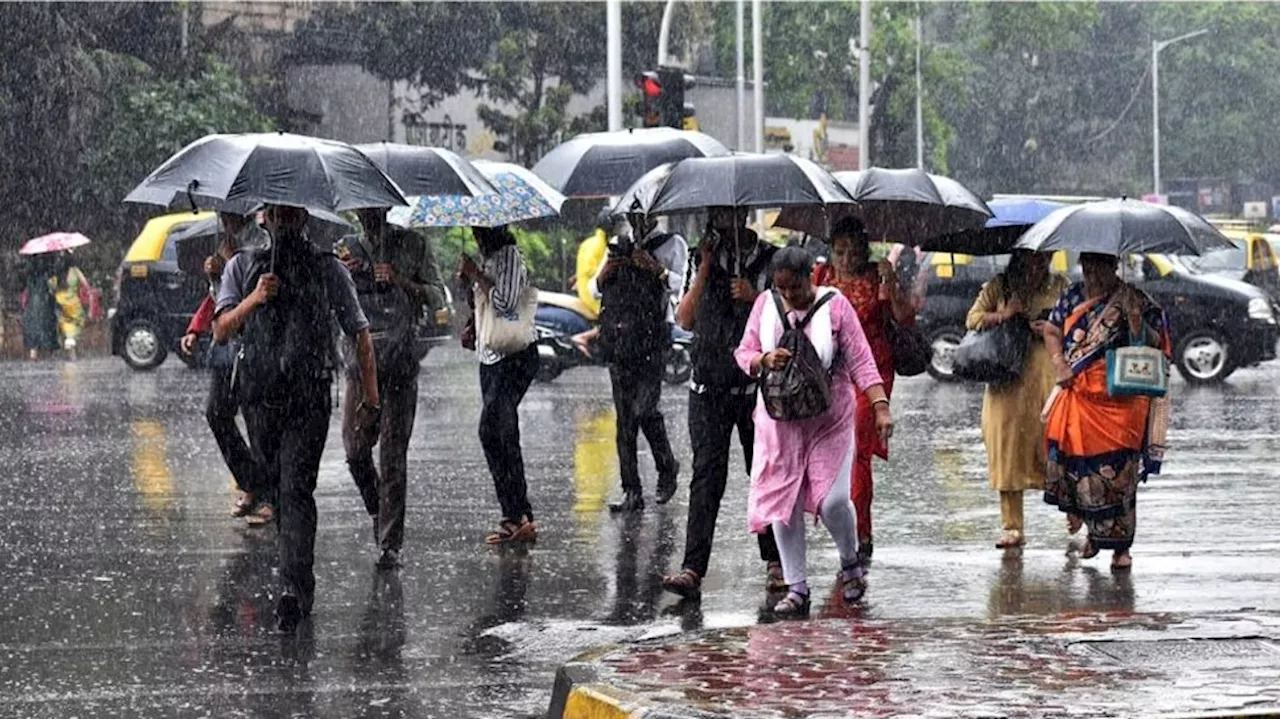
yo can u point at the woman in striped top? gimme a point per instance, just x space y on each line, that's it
504 378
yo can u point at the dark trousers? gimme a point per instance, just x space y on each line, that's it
384 487
502 387
289 440
637 388
713 416
220 411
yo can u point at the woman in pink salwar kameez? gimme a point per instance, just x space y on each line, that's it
803 466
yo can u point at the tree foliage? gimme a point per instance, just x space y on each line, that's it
90 102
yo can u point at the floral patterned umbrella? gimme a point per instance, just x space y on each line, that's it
521 195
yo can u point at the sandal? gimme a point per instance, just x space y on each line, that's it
509 532
1088 551
1121 562
244 505
774 581
852 588
793 606
1011 538
263 515
686 584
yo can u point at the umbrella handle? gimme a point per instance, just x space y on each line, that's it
190 199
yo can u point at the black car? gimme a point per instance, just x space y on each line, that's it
1217 325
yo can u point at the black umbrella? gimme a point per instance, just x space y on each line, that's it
743 180
906 205
604 164
1012 217
270 168
419 170
1124 227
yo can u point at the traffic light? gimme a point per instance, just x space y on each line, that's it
662 98
650 87
671 107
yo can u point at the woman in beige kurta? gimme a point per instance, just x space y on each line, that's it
1011 427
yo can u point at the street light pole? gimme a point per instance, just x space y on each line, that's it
864 87
1156 47
919 91
613 32
741 124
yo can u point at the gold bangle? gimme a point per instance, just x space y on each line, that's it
875 402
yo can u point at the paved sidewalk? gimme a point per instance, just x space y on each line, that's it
1096 665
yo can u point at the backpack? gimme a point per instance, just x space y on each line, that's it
802 389
392 317
719 324
633 313
287 344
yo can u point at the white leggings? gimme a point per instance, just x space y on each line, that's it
837 515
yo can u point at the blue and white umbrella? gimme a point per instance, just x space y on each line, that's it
520 195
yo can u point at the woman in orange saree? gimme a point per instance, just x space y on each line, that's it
1101 447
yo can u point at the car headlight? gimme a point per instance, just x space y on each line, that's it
1260 309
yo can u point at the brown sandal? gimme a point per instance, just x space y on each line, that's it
686 584
509 532
1122 562
1088 551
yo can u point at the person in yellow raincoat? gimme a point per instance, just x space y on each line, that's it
72 313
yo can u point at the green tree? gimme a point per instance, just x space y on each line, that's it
811 68
544 55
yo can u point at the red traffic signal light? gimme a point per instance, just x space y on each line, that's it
649 84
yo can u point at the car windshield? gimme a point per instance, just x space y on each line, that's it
1232 260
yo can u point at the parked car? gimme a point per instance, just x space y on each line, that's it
154 299
1217 324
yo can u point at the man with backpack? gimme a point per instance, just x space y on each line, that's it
636 286
280 302
732 268
395 277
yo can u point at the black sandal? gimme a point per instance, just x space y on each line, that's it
852 588
686 584
774 580
793 606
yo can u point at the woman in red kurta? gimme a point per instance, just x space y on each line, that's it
874 293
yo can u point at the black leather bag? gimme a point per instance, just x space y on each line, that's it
802 389
911 350
993 355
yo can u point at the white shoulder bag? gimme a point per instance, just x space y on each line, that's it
506 335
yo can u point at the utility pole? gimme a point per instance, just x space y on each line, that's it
1156 47
613 30
919 90
864 88
741 124
757 60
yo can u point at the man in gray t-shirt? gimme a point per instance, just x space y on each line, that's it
289 421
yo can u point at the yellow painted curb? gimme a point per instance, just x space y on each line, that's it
599 702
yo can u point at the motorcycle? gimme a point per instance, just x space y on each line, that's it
560 318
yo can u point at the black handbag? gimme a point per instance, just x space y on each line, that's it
911 350
993 355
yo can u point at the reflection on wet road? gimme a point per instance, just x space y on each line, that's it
127 589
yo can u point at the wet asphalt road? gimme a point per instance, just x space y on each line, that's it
127 590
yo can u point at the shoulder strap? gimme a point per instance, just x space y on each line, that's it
823 299
782 311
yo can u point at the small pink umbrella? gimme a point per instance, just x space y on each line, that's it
54 242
